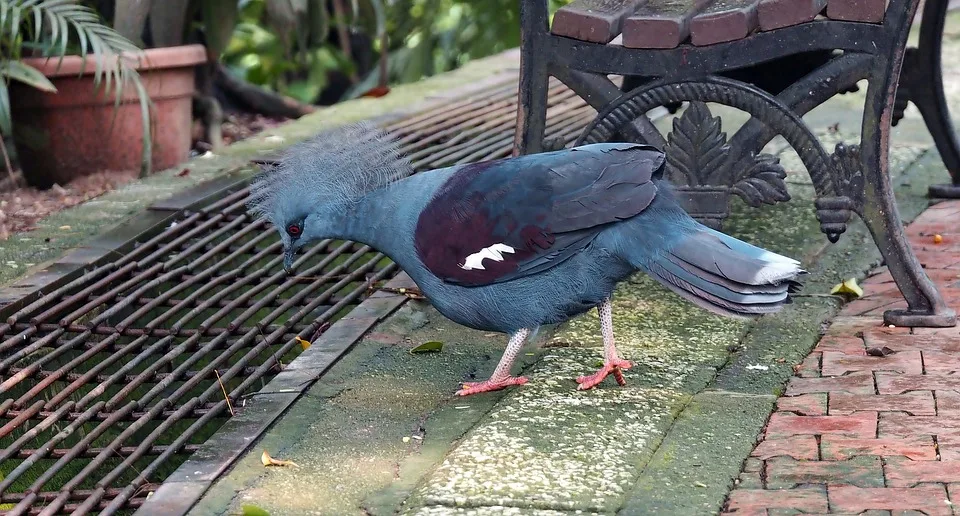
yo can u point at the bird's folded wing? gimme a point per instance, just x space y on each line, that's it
500 220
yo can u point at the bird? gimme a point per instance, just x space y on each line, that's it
513 244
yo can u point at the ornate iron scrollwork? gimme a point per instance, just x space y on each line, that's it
696 148
834 211
699 156
764 183
698 153
849 174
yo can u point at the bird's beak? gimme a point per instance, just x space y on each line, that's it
289 255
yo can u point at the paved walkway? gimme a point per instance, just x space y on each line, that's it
860 433
381 433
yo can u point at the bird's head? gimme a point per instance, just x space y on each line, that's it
308 194
294 236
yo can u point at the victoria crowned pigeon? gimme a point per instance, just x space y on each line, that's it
512 244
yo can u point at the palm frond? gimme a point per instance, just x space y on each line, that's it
57 22
6 119
28 75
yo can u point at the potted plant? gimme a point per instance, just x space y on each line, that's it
92 99
173 24
168 26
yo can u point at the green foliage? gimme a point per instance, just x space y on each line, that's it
275 52
425 37
252 510
267 55
56 28
435 36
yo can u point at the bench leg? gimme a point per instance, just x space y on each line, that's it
926 306
924 81
532 110
534 79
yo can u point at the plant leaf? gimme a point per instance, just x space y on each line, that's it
6 119
252 510
849 287
433 346
4 9
28 75
15 23
146 157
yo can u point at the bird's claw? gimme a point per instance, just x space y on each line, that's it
615 366
490 385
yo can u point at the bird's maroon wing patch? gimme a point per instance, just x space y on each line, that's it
498 220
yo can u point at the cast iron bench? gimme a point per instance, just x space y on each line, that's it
774 59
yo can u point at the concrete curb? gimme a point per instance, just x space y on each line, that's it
185 486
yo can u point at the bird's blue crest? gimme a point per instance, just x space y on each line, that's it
332 170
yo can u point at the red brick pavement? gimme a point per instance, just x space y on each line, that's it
862 434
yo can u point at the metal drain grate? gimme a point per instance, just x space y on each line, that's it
111 381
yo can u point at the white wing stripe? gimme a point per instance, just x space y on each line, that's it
494 252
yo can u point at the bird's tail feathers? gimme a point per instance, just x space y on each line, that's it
725 275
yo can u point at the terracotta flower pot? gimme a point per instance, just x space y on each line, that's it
78 130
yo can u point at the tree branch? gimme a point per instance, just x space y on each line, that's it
258 99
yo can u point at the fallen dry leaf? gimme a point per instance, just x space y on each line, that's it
880 352
849 287
267 460
376 92
303 344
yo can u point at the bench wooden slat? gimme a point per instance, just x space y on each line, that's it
777 14
724 20
661 23
871 11
597 21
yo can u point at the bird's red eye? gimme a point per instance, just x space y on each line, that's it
293 229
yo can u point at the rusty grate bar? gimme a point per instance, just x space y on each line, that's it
110 381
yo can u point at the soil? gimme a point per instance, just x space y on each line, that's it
22 206
235 127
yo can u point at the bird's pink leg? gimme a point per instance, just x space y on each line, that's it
612 363
501 375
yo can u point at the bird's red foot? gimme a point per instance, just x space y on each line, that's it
490 385
616 367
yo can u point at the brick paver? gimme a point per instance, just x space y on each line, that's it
870 423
